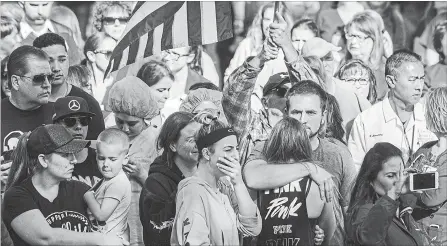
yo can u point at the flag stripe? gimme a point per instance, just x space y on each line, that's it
209 29
147 8
224 21
166 37
142 47
133 50
157 39
180 27
194 23
137 7
149 44
151 21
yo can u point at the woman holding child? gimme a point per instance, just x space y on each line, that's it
42 206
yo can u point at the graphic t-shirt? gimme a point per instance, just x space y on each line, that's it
96 126
15 122
88 171
284 215
67 210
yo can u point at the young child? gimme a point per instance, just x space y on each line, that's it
109 200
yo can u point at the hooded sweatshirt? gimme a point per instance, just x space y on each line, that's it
157 202
207 216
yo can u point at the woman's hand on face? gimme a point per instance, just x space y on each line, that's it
400 186
319 235
232 168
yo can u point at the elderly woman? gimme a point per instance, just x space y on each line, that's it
136 114
42 206
365 41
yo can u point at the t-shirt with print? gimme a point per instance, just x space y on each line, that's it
117 188
88 171
96 126
338 162
15 122
67 210
285 220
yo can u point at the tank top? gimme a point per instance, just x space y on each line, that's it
284 215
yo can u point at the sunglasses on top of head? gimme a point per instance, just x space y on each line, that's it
71 121
112 20
39 79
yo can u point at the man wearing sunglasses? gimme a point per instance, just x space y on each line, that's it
29 77
37 22
74 114
54 46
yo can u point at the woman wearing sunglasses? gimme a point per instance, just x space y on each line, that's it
74 114
42 206
111 17
98 50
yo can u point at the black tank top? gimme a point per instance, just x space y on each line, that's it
284 215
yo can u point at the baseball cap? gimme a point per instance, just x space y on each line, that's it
67 106
52 138
275 82
318 47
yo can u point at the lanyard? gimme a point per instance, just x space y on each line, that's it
410 152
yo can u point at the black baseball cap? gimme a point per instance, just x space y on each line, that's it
67 106
276 82
52 138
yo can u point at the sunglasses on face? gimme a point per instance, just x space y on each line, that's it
40 78
106 53
71 121
112 20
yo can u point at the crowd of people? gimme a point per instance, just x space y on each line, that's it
307 136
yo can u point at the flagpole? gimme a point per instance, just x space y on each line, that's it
275 19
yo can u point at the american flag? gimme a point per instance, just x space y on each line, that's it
157 26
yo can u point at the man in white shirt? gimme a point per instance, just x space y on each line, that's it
36 22
399 118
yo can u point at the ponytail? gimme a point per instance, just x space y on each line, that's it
23 166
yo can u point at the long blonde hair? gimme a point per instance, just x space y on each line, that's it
255 32
366 23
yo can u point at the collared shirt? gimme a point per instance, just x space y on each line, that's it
252 126
381 124
26 29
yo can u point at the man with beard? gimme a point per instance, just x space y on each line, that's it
74 114
307 102
37 23
54 46
29 78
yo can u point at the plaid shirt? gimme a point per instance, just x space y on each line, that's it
251 126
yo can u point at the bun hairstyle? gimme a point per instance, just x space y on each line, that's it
210 123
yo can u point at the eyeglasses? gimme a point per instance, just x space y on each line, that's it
358 81
39 79
106 53
358 37
71 121
173 56
112 20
